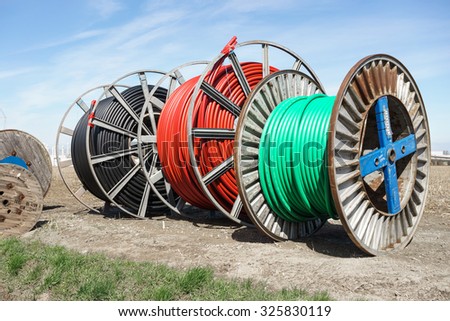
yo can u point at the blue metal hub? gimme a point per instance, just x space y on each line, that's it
385 157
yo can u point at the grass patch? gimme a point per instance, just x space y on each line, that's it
33 271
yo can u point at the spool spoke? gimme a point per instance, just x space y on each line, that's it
80 192
65 163
158 103
239 73
297 64
84 107
218 97
113 128
127 178
170 193
237 207
392 194
218 171
144 84
145 107
383 122
148 139
66 131
144 202
265 60
180 204
372 162
156 176
113 155
124 181
179 77
213 133
405 146
172 86
118 96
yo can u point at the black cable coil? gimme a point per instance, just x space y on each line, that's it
104 141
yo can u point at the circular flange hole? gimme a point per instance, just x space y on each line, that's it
391 155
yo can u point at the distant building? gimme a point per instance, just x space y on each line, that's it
63 154
440 153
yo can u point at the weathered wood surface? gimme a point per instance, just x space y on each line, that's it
31 150
21 200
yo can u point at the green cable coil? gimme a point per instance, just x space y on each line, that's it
293 159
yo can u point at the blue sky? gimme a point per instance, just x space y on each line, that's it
52 51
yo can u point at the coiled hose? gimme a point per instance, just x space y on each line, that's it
172 135
103 141
293 159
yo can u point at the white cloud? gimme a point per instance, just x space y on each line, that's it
105 8
13 73
62 42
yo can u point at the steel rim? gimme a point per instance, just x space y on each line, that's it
229 53
367 223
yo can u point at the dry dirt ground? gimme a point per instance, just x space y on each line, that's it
328 261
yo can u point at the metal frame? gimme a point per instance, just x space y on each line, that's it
230 53
361 199
270 92
141 77
175 78
79 192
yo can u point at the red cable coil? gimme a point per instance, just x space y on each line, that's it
172 135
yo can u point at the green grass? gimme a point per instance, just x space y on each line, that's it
33 271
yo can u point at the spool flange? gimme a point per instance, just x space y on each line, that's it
379 154
263 99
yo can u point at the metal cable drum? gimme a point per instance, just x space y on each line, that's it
27 147
215 173
377 155
107 143
79 108
21 199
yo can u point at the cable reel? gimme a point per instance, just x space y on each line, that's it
377 154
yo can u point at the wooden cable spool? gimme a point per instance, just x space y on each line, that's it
32 151
21 200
